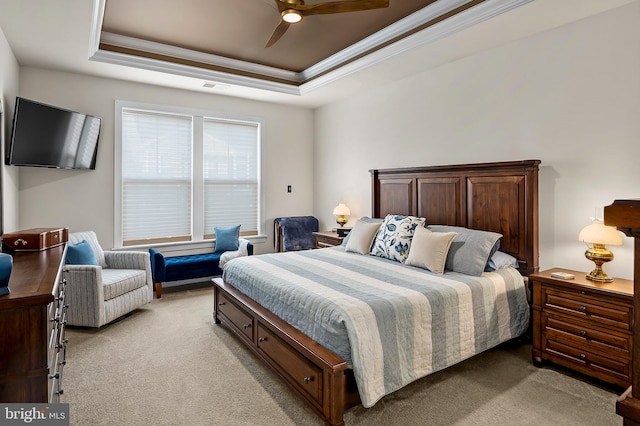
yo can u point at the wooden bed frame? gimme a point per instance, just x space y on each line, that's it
500 197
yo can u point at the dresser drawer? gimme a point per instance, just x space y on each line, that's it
607 342
55 380
305 374
595 365
591 308
239 319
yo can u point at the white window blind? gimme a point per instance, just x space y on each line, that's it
156 177
181 173
231 190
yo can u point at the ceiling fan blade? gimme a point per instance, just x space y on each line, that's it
277 33
340 6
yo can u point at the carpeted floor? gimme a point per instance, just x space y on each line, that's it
169 364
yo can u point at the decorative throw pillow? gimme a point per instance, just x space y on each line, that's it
393 239
429 249
80 254
227 239
366 219
470 249
361 237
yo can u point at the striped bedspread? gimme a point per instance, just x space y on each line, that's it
392 323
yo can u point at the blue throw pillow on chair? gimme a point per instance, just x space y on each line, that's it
80 254
227 239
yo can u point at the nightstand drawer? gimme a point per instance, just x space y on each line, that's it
584 335
327 239
586 362
584 306
322 244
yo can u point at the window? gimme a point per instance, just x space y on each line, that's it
230 174
181 174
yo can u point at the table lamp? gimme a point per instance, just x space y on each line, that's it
598 235
341 212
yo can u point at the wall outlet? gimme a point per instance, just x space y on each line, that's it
288 188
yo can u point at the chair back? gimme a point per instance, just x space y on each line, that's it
91 238
294 233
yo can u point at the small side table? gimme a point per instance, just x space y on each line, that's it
327 239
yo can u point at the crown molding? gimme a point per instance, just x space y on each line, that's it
193 72
324 72
458 22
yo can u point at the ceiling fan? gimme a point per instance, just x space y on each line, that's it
292 11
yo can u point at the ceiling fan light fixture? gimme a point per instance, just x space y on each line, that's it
291 16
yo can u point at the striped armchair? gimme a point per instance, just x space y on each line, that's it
98 294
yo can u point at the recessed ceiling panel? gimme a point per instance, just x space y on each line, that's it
239 29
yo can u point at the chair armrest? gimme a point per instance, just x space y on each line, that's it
84 294
249 246
157 266
130 260
126 259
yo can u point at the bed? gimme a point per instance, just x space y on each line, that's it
329 359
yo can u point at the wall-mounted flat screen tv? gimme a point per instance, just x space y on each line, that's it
48 136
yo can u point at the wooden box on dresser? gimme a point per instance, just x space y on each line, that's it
32 321
583 325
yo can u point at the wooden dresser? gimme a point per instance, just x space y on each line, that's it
583 325
32 322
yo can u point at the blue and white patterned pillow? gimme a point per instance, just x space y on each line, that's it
393 239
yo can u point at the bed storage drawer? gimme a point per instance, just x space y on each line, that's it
304 373
313 372
236 316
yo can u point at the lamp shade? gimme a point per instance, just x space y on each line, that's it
599 233
341 210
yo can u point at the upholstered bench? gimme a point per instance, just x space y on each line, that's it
176 268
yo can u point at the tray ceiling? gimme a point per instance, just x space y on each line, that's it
224 40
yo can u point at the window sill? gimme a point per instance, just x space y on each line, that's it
187 247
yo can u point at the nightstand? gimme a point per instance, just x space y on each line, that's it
327 239
583 325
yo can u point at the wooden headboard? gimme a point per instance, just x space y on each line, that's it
500 197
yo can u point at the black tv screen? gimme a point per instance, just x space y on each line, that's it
48 136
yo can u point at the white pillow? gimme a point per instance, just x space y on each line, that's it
361 237
429 249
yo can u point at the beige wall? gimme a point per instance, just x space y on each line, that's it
84 199
569 97
8 90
